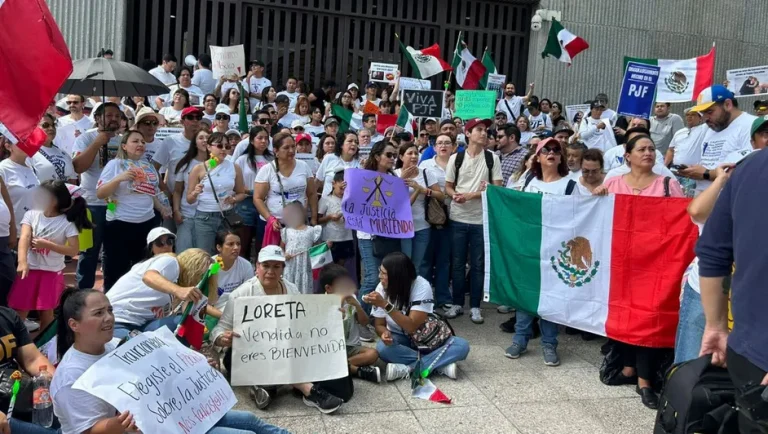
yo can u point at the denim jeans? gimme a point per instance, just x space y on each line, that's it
89 260
437 263
370 271
404 352
185 234
468 239
206 226
243 422
22 427
524 330
122 330
690 329
416 247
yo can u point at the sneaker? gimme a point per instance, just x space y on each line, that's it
508 326
515 351
449 371
550 355
31 325
397 371
454 311
322 400
447 306
366 332
369 373
260 396
505 309
476 315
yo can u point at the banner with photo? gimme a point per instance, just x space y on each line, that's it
748 81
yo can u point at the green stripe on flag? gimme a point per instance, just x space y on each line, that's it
512 223
414 67
344 115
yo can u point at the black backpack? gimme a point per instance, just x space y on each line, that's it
488 163
697 398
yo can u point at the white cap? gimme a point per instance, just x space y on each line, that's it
271 253
352 85
232 131
157 233
297 123
222 108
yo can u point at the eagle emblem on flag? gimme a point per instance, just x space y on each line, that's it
573 264
677 82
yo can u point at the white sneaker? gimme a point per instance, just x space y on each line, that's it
449 371
505 309
447 307
454 311
396 371
476 315
31 325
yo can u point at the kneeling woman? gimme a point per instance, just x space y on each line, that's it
85 332
402 303
268 281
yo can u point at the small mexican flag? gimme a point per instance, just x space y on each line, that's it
319 255
562 44
425 62
490 68
192 325
469 71
681 80
429 392
405 119
593 263
344 115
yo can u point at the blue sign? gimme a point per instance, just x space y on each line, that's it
638 90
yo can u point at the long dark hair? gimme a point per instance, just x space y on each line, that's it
191 152
562 168
277 142
252 149
183 93
351 103
340 138
378 149
265 96
401 274
400 152
71 306
75 209
321 145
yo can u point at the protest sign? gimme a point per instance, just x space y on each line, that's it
638 90
576 113
748 81
165 132
377 204
496 82
228 61
363 152
288 339
383 72
472 104
234 120
166 386
407 83
146 179
424 103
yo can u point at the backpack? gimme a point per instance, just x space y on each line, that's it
666 186
697 398
568 188
488 163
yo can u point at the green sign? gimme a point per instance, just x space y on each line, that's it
472 104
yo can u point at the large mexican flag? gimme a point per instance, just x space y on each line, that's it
607 265
681 80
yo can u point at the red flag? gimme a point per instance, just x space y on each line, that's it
370 108
385 121
36 62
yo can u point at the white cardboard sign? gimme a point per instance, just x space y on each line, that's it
228 60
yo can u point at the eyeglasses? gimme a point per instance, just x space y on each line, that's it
389 154
553 150
153 123
263 121
160 243
193 117
47 125
73 102
222 117
222 146
423 134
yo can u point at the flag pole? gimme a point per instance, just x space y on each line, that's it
450 74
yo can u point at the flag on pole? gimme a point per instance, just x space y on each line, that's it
344 116
490 68
405 119
468 70
425 62
681 80
192 325
319 255
607 271
385 121
34 52
242 124
562 44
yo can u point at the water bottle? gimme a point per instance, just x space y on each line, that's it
41 399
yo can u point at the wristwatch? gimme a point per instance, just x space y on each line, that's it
706 175
389 307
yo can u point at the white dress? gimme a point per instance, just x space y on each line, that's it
299 269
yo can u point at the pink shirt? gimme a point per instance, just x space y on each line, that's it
618 185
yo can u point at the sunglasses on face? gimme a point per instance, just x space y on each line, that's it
152 123
389 154
551 150
222 146
73 102
47 125
193 117
221 117
263 121
423 135
160 243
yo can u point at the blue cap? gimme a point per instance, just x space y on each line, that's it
711 95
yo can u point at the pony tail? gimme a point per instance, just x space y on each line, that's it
78 214
71 303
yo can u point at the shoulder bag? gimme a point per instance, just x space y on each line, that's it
231 218
435 210
434 332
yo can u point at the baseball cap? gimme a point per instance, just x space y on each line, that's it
562 128
446 122
222 108
331 120
157 233
271 253
232 131
147 112
690 110
759 123
257 62
595 104
500 112
371 84
303 136
545 142
711 95
192 110
475 122
352 85
297 123
206 121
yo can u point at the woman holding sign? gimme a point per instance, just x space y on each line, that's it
130 184
345 155
85 335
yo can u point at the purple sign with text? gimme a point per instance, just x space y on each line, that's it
377 204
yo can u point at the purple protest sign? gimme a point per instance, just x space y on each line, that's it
377 204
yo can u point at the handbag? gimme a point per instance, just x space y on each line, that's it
232 218
434 332
435 210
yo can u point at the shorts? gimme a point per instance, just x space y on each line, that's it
40 290
353 351
343 250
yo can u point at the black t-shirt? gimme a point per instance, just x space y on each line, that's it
320 96
13 335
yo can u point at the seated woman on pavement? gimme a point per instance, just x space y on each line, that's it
402 303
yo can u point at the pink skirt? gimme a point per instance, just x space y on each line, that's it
40 290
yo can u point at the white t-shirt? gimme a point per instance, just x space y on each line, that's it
376 101
293 97
511 107
134 202
78 410
5 220
473 171
327 170
229 280
172 148
188 210
417 208
134 302
614 158
717 145
203 78
19 180
436 174
583 189
223 177
420 290
687 145
85 123
53 164
55 229
557 187
537 121
171 114
333 230
288 119
314 131
593 137
90 177
249 172
256 85
294 187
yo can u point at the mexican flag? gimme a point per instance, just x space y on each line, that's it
192 325
469 71
319 255
490 68
429 392
681 80
405 119
562 44
385 121
425 62
607 265
344 116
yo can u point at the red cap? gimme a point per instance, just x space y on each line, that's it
545 142
475 122
191 110
303 136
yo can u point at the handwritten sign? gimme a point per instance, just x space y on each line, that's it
472 104
166 386
407 83
377 203
228 61
424 103
383 72
287 339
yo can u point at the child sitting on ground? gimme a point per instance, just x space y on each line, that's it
335 279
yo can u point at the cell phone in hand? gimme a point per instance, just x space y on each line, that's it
678 167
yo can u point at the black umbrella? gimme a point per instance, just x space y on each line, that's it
110 77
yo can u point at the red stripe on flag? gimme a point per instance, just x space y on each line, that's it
434 51
385 121
652 245
705 72
475 73
576 46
